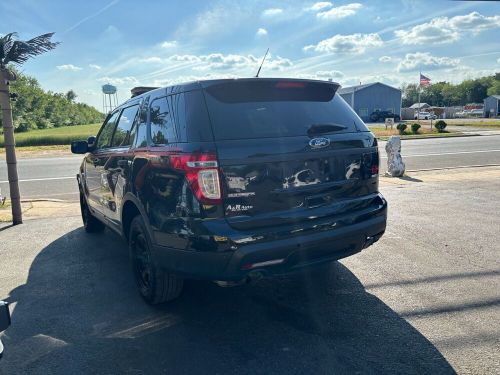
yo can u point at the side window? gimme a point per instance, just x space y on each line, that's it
122 132
197 123
162 125
139 132
179 105
104 139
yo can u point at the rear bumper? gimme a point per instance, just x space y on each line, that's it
277 257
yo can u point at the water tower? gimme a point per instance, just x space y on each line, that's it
109 98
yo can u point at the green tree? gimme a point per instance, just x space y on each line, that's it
71 96
494 89
447 94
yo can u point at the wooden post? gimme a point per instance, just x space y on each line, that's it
10 146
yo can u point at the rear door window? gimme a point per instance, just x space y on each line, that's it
139 132
277 108
162 122
124 127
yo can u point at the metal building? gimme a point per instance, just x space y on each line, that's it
491 106
365 99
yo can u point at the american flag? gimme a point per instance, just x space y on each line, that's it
424 81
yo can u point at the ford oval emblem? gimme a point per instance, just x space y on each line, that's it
319 142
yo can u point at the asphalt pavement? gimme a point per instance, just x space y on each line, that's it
425 299
55 177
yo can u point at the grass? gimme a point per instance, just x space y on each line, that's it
472 122
5 213
54 136
382 132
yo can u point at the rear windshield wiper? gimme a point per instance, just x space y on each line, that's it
325 128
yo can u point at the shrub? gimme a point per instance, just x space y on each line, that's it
401 128
414 128
440 126
43 124
24 126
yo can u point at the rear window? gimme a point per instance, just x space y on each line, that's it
264 109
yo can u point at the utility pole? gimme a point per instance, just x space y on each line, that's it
6 76
16 52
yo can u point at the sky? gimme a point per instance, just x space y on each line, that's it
157 43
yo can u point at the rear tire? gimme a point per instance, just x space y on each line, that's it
154 283
90 223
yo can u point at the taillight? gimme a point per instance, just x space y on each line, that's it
371 162
375 164
202 172
209 183
290 85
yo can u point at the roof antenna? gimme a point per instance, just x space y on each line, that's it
262 63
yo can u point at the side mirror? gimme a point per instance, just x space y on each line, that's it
79 147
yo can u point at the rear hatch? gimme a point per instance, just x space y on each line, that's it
289 151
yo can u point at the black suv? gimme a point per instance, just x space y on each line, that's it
382 115
231 180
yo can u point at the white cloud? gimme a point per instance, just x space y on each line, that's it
169 44
431 32
272 12
330 74
219 61
129 80
425 61
69 67
475 22
151 60
498 60
261 32
385 59
189 78
446 30
320 5
337 13
321 75
217 21
94 66
354 43
185 58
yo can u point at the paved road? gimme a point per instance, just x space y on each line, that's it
55 177
45 177
424 300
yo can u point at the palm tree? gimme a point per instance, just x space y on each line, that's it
16 52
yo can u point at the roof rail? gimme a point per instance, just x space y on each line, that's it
141 90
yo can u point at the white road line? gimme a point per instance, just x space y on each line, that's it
42 179
445 153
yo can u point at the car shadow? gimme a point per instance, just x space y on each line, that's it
79 312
